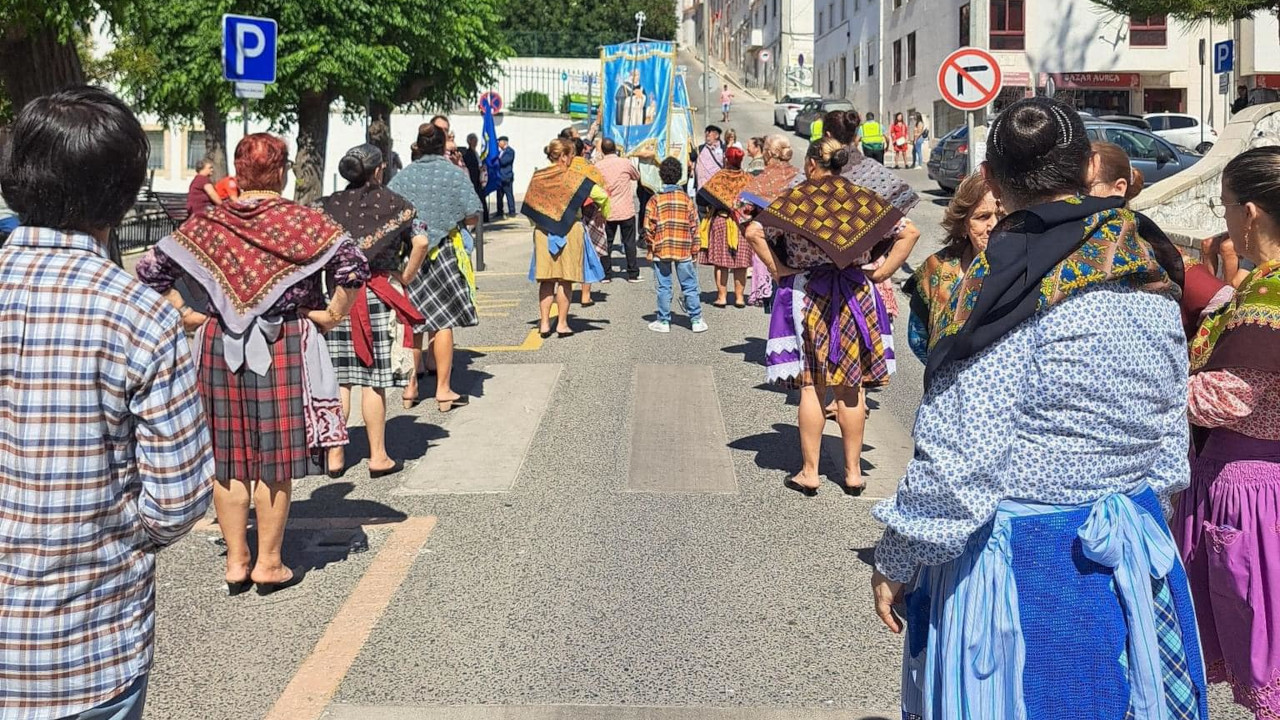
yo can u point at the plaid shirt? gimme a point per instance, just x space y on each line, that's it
104 458
671 225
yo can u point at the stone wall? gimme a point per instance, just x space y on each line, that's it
1179 204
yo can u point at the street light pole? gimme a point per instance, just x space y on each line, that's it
706 62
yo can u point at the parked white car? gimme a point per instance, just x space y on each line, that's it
1182 129
784 111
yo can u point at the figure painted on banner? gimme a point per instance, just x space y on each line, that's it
633 105
1050 439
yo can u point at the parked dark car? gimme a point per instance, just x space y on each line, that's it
815 109
949 161
1130 120
1156 157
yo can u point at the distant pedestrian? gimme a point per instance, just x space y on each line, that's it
919 136
871 138
708 157
201 193
379 135
1042 370
726 100
720 234
1242 99
507 176
620 179
106 458
267 382
1227 522
671 221
554 202
901 146
476 171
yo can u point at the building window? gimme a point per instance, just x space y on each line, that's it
1148 30
1007 28
897 61
897 4
857 5
819 22
857 68
871 59
155 158
911 55
964 26
195 149
831 12
844 10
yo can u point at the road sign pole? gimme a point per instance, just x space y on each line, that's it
973 143
244 117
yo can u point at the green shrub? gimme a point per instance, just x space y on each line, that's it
532 101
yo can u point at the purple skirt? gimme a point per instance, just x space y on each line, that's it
1227 526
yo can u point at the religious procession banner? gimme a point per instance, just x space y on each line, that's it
639 82
679 135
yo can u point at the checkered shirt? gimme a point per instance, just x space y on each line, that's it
671 225
104 458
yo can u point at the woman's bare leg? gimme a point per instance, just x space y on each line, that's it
338 455
411 390
563 291
722 283
586 294
231 502
442 349
271 503
373 405
851 414
811 422
546 293
739 286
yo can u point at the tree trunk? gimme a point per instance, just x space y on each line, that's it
379 110
215 136
35 62
313 136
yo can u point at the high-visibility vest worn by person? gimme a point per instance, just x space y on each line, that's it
815 130
873 135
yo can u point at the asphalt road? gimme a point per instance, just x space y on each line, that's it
603 533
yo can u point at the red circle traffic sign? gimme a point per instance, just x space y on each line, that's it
491 99
970 78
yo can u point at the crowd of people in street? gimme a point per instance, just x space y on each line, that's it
1098 428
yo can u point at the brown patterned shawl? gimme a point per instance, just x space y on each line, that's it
247 253
722 190
842 219
592 173
554 197
764 188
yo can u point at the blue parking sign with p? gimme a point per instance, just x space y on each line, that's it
248 49
1223 56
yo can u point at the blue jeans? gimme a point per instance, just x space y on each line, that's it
687 273
917 153
125 706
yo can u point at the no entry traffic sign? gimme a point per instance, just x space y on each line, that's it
969 79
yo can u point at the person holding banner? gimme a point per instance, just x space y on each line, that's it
720 234
554 204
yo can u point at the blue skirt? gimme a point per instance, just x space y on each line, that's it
1064 612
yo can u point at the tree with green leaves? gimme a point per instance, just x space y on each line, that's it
355 53
577 28
1193 10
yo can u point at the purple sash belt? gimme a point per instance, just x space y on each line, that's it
841 287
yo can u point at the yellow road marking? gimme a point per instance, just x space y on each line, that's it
311 689
532 341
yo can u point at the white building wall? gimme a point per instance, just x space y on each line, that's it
1061 36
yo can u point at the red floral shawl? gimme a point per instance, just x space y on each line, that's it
247 253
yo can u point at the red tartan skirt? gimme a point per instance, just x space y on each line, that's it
257 424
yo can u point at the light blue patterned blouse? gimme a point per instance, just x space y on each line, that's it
1085 399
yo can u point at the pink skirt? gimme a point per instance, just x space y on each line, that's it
1227 526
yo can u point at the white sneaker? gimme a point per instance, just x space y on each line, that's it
699 325
660 327
635 280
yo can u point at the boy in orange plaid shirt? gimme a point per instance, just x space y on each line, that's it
671 227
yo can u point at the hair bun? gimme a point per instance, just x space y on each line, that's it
351 168
839 158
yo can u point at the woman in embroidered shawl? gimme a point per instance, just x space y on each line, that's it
720 233
268 386
594 223
554 204
1228 523
444 290
381 222
970 217
1046 443
826 327
778 175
